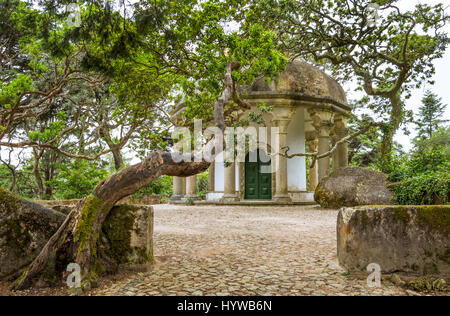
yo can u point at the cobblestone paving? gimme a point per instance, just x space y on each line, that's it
222 250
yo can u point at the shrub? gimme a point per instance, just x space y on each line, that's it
159 186
422 179
425 189
202 183
77 179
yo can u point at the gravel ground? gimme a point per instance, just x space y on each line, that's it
223 250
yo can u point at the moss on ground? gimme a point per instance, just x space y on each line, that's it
429 284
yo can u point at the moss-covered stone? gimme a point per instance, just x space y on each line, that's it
408 239
25 227
435 218
401 214
129 230
8 201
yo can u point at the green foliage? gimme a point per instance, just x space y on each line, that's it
388 58
430 115
77 179
5 175
159 186
425 189
202 183
440 138
364 150
424 178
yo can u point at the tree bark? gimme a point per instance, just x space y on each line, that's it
37 173
78 236
396 118
118 159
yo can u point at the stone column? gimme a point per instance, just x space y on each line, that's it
191 188
177 189
183 187
230 184
334 139
212 177
322 123
281 191
341 130
312 142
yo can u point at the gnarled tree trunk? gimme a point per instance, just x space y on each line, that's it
396 118
78 237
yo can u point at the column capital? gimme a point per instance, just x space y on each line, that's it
311 136
322 121
283 113
282 125
340 126
341 117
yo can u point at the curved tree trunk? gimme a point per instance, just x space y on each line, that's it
37 173
77 239
118 159
396 118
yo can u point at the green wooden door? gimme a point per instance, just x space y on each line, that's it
258 177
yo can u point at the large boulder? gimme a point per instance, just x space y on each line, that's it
25 228
409 239
353 186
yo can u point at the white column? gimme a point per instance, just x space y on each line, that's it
177 189
341 130
281 191
211 177
322 123
191 188
230 184
312 142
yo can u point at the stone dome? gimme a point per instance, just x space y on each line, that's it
302 82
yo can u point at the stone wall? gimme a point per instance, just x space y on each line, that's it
65 205
129 229
25 228
409 239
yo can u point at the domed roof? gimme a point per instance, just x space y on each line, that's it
302 81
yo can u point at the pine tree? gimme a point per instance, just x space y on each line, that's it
431 113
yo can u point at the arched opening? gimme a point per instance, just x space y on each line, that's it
258 176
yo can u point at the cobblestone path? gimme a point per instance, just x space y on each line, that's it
223 250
